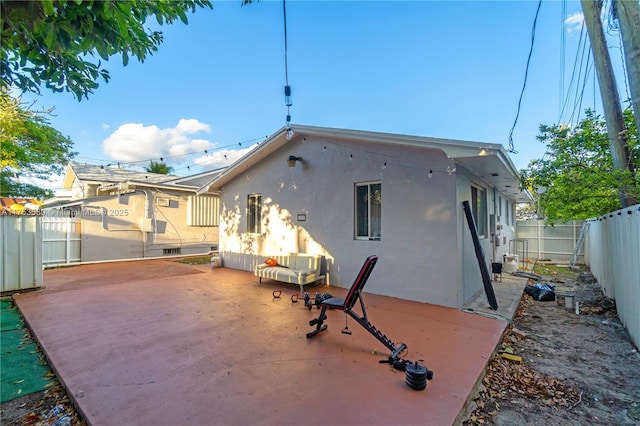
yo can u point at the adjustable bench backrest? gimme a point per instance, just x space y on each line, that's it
358 284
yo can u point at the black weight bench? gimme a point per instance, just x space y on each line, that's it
347 304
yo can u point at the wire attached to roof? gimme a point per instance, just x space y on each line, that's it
287 89
526 74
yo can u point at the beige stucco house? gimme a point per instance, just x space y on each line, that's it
126 214
348 194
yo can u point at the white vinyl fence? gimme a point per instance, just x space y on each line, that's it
20 252
613 254
536 241
61 240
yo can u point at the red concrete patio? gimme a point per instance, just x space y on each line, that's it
158 342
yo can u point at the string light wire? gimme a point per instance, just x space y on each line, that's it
125 164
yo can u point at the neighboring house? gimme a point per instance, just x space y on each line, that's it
348 194
17 206
126 214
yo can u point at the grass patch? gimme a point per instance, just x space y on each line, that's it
195 260
551 270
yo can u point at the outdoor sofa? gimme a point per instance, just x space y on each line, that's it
292 268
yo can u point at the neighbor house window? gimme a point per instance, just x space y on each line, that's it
254 208
368 205
479 208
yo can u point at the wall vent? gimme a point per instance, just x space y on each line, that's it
203 210
163 202
169 251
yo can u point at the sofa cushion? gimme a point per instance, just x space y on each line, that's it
305 262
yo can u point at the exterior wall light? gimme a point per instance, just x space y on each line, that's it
291 161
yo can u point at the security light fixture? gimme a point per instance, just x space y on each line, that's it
291 161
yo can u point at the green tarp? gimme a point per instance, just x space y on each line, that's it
23 369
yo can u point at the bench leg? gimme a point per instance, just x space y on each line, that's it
318 322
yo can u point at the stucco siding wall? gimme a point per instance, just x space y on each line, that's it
310 208
470 282
112 227
170 229
494 244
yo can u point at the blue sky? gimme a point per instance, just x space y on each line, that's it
444 69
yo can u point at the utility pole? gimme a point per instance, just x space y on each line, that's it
628 13
609 93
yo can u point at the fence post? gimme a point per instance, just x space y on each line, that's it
539 236
68 242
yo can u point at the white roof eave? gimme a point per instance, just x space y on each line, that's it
460 151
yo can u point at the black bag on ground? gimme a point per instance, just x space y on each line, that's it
541 292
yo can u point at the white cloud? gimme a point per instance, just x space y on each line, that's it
191 125
574 22
137 142
221 158
189 147
52 182
179 146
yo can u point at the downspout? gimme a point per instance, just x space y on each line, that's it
147 215
495 228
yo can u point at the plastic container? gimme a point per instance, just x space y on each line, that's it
510 263
565 296
215 261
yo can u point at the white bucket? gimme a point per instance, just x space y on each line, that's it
215 261
510 263
565 296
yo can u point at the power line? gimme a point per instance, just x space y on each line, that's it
578 108
579 58
563 49
583 75
526 74
624 68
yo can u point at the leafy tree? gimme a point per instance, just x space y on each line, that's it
576 176
29 148
158 167
55 42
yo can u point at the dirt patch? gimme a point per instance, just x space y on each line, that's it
49 407
575 368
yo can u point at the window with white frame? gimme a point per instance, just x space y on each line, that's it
368 211
479 209
254 209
